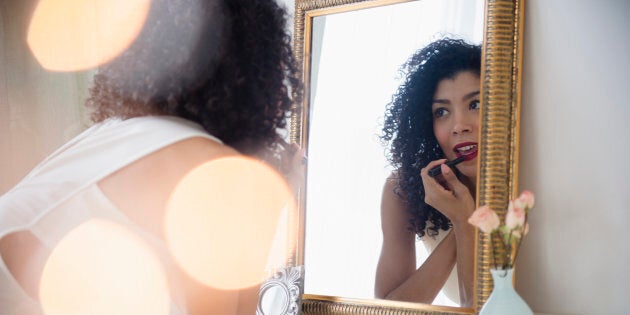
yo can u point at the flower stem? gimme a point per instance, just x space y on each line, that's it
518 245
494 255
507 251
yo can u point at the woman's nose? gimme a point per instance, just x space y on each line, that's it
462 124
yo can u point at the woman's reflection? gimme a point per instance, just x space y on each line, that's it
433 117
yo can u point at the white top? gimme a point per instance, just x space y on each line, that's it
61 192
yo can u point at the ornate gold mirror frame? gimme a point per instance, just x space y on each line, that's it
498 162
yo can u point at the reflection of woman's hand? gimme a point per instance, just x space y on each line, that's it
447 194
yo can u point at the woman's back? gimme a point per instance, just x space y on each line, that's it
119 171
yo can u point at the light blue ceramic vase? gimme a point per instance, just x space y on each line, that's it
504 300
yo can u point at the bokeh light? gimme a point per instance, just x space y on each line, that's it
101 268
73 35
222 220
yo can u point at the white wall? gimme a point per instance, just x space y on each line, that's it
575 136
39 109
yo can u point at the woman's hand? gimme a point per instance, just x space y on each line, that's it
447 194
453 199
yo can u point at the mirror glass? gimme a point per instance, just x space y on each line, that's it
355 62
273 300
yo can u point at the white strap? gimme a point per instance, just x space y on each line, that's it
93 155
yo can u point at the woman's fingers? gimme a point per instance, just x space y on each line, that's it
452 182
445 192
434 190
424 172
437 180
460 204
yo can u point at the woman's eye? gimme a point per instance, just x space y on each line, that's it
439 112
474 105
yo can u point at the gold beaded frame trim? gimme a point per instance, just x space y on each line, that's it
499 134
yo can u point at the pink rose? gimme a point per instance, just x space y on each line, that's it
485 219
526 199
515 215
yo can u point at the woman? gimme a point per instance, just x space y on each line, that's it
434 117
203 81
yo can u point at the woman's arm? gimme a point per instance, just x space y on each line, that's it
25 256
396 275
455 201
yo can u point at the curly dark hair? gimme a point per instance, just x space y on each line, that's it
408 124
226 65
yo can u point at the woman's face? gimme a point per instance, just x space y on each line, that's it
455 111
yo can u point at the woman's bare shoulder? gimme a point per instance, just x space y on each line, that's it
390 188
393 207
153 178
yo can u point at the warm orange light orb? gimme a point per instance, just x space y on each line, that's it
101 268
73 35
222 220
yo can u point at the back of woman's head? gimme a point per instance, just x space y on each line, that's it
226 65
408 124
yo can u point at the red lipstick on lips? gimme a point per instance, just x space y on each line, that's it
465 155
468 154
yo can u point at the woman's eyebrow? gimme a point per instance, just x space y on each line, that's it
471 95
467 96
440 101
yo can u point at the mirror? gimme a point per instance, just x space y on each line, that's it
280 294
351 52
360 66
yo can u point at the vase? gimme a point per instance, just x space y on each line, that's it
504 299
